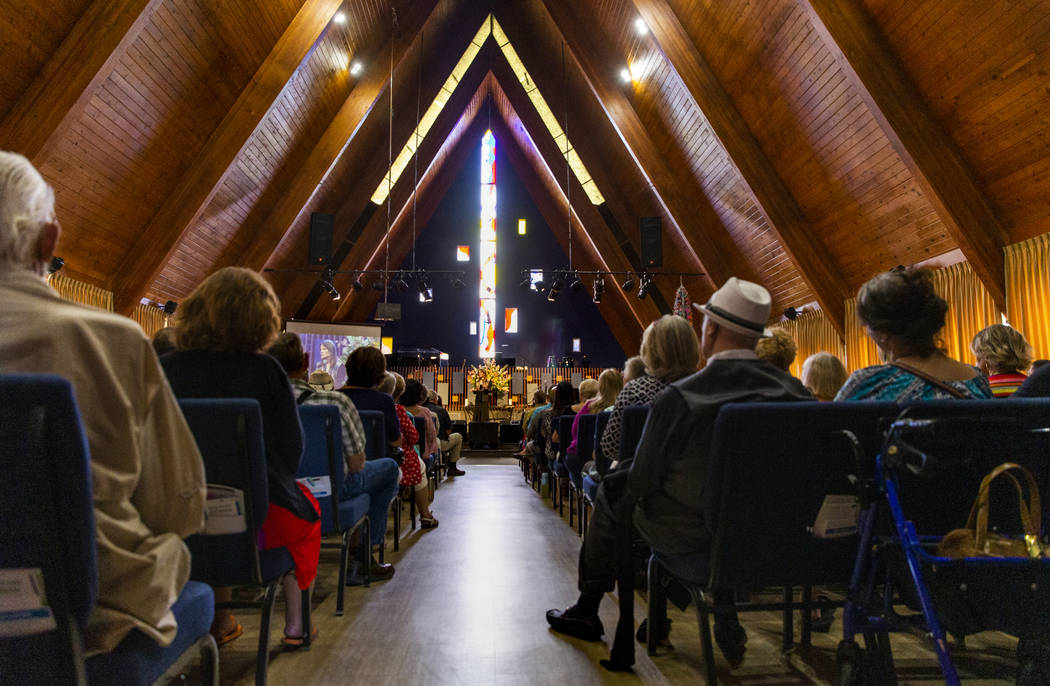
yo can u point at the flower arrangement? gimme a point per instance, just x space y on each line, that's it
682 305
489 377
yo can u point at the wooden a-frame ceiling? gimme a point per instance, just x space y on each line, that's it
805 144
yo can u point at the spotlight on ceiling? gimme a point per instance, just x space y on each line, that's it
326 279
526 282
170 307
628 283
379 285
599 288
577 283
552 294
791 313
639 26
339 18
56 264
357 285
541 287
400 283
355 68
558 282
625 75
646 284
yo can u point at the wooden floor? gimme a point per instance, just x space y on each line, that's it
467 607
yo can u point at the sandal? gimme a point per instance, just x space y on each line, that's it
234 633
296 642
428 522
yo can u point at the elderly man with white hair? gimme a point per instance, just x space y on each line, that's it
668 472
147 475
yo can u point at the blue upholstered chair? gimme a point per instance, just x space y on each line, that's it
588 486
323 471
574 464
50 528
230 438
559 471
373 423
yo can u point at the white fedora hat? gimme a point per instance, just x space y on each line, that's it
740 306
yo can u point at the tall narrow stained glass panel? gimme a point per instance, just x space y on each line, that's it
487 250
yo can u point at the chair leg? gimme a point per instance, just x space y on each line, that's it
396 505
344 560
412 506
209 661
652 584
807 615
262 658
367 526
705 642
788 642
307 628
572 501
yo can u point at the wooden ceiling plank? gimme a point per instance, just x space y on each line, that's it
336 138
774 200
928 151
72 74
197 186
706 237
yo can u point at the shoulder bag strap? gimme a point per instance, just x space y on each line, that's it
303 396
955 392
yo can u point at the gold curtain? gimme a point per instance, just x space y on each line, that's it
150 317
813 333
970 309
861 351
1028 291
80 292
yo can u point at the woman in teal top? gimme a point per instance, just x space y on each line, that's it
903 315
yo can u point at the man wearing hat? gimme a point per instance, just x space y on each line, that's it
670 465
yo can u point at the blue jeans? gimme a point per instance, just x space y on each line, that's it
379 480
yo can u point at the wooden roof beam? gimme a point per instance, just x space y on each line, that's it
335 139
72 75
701 228
928 151
774 199
196 188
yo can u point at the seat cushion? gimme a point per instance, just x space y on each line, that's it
590 487
561 470
139 660
352 510
275 563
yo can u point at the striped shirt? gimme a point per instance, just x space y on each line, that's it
353 432
1004 385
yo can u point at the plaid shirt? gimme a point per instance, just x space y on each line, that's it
353 432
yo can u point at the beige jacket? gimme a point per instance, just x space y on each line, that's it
148 478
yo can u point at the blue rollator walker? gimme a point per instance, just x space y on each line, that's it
925 479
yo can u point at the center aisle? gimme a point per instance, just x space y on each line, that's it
467 603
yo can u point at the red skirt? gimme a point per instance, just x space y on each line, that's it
282 529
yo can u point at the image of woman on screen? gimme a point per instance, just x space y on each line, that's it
330 362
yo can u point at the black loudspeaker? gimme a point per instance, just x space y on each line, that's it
652 248
321 228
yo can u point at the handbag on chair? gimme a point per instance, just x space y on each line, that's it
976 541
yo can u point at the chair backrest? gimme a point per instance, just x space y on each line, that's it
968 440
420 423
375 433
48 530
584 447
600 458
770 469
564 429
322 469
230 438
631 430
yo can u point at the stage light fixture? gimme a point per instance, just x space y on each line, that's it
599 289
379 285
423 284
552 295
577 283
357 285
56 264
646 283
400 283
526 282
628 283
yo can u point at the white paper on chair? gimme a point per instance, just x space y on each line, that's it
319 486
23 603
837 517
224 511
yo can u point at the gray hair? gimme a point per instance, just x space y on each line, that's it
27 204
388 384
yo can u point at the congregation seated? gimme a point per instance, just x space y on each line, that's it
321 381
449 441
222 329
164 340
378 478
1037 385
1002 355
147 477
633 368
903 315
667 474
564 396
610 383
365 370
823 375
413 471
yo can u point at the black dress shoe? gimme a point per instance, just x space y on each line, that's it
453 470
574 623
732 640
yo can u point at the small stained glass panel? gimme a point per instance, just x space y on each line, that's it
510 320
462 253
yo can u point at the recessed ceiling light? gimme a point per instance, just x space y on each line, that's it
625 75
355 68
340 17
640 27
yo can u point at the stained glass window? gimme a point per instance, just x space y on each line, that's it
487 250
462 253
510 320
